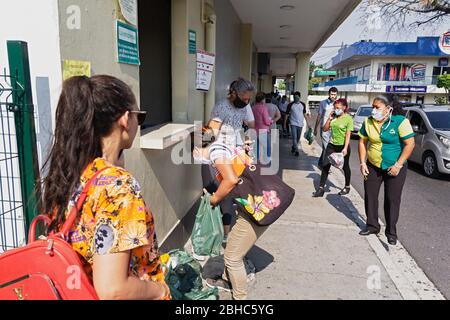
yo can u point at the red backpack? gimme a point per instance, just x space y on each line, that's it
49 268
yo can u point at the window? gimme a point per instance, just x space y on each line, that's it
440 120
365 112
417 120
437 71
401 72
366 73
155 46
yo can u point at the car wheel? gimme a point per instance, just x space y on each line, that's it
430 166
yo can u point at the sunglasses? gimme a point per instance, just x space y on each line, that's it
141 116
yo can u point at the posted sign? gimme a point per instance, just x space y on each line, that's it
205 69
72 68
127 44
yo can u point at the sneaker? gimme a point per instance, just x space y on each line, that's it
225 239
220 284
297 154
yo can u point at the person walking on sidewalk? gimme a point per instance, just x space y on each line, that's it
114 235
263 122
387 142
340 124
275 115
326 107
296 112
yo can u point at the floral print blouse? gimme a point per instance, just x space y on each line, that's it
115 219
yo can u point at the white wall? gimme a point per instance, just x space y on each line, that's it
36 22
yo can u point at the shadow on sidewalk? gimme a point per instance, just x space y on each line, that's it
260 258
347 209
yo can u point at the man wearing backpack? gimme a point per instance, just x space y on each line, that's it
296 112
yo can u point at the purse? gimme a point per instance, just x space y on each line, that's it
264 198
47 269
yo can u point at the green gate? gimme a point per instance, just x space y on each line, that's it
18 152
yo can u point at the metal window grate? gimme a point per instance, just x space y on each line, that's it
12 220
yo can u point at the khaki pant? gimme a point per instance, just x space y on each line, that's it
241 239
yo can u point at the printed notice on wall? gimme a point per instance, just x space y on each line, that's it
72 68
205 69
127 44
128 11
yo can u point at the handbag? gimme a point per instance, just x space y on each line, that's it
48 268
264 198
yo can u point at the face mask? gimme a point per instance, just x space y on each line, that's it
377 114
338 112
238 103
296 99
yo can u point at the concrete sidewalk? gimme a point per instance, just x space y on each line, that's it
314 251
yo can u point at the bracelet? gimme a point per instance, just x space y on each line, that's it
398 166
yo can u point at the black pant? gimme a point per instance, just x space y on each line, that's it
211 184
331 148
393 187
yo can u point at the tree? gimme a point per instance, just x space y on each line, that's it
444 82
399 13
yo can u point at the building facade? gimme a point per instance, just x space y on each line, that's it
159 62
409 69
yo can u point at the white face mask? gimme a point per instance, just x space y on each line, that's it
377 114
338 112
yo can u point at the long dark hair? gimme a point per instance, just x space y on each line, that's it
86 112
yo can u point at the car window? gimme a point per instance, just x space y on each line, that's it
440 120
417 120
365 112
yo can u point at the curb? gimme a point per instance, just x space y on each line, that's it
408 277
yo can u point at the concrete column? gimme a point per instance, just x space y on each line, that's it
180 81
246 51
302 75
210 44
267 86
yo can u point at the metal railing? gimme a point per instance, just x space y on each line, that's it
12 221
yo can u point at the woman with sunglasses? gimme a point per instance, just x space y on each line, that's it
387 142
114 234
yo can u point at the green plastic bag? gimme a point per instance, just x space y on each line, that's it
207 235
309 136
184 278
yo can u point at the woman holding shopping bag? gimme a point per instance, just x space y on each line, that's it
256 208
340 123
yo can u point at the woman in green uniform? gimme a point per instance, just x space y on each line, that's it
386 144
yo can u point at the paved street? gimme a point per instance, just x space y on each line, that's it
424 226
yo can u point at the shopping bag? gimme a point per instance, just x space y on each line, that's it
184 278
337 160
309 136
207 235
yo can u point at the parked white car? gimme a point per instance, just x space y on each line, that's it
363 112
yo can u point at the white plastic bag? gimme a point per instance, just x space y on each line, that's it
337 160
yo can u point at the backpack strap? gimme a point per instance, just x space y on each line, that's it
76 209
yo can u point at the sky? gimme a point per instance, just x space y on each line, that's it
352 31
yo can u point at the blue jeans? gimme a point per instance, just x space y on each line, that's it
296 135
